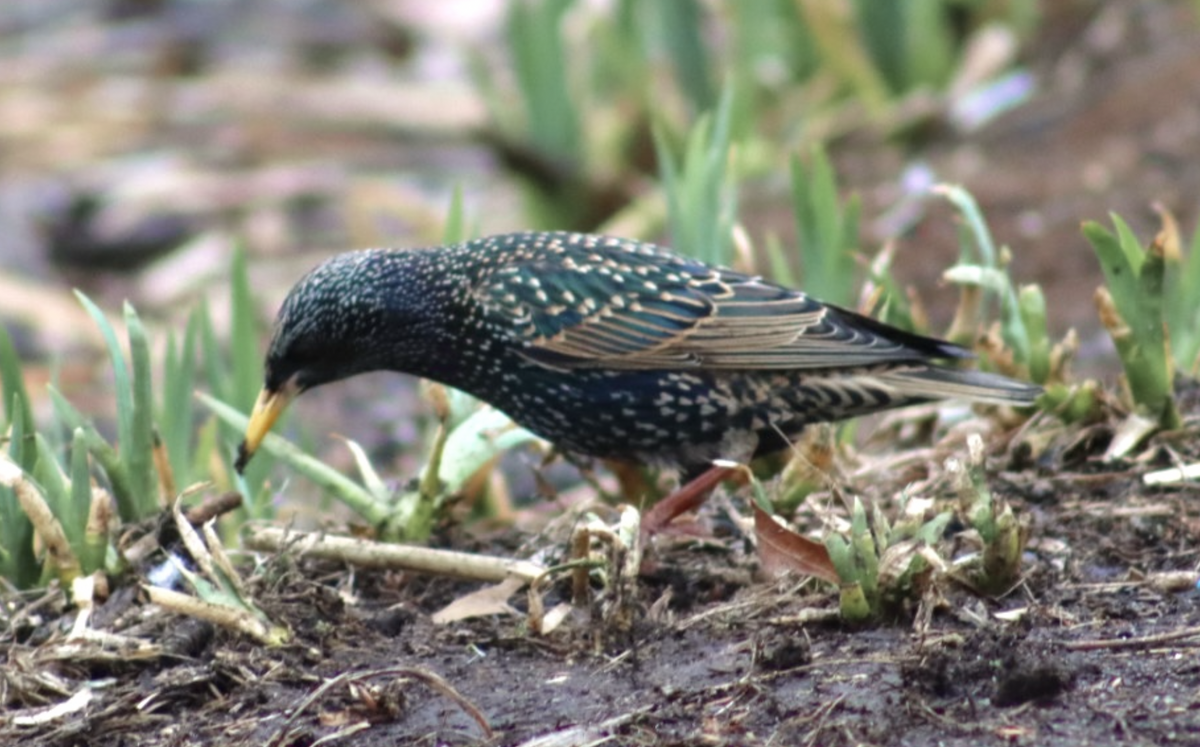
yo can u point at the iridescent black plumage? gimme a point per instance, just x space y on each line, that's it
609 347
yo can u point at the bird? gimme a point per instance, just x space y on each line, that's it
607 347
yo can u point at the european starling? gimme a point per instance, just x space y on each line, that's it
607 347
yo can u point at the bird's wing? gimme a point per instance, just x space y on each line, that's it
663 311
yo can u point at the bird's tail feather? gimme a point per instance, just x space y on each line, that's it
976 386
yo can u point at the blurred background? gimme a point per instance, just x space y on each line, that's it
145 143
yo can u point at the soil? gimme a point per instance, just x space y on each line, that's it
1095 645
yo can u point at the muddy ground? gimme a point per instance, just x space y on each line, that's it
1096 645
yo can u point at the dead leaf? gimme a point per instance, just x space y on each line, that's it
490 600
780 549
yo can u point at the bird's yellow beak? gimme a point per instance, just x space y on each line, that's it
267 409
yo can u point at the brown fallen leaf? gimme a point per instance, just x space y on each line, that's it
490 600
780 549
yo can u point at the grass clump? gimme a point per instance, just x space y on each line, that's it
1133 306
67 489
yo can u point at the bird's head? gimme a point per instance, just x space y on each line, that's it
358 312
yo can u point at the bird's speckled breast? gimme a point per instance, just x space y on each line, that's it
669 417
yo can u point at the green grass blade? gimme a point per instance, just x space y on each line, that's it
123 391
476 441
929 47
844 54
91 550
17 562
134 482
976 226
80 499
1153 339
1129 244
779 267
456 227
1120 259
353 495
541 64
18 415
175 414
1135 280
137 449
244 342
679 26
841 556
247 375
50 478
894 307
997 283
770 33
212 356
986 271
106 456
1182 298
701 198
1032 305
826 232
882 29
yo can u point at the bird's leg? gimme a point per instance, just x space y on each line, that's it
690 496
634 480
